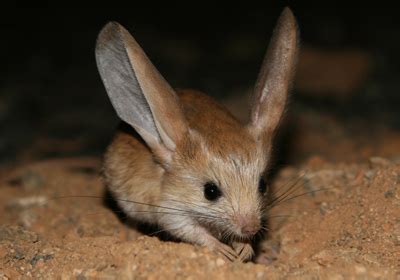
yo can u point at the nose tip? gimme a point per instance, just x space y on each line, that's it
250 229
249 225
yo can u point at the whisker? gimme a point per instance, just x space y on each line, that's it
292 189
279 216
200 207
296 196
123 200
173 213
296 178
263 229
182 212
194 204
158 231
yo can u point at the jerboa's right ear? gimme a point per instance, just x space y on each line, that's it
274 80
138 92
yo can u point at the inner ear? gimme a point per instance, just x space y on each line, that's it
138 92
275 77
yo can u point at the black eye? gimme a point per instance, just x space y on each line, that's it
262 186
211 191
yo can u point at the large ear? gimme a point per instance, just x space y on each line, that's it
138 92
275 77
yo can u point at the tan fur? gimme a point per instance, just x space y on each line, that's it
228 155
132 171
159 162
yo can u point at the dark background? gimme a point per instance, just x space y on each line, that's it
52 101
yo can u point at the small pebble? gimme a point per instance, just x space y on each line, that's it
369 174
219 262
77 272
360 269
323 208
28 202
323 258
27 218
3 276
389 194
260 274
29 180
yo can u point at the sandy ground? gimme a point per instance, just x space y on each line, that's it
350 230
341 151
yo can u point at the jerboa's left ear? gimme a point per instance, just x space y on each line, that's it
139 94
275 77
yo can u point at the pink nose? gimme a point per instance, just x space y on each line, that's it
248 225
251 229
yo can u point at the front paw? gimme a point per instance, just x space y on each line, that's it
227 252
244 250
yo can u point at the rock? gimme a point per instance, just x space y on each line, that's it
3 276
27 202
260 275
389 194
37 258
324 208
15 233
29 180
369 174
360 270
220 262
377 162
323 258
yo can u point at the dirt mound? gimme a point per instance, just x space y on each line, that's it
346 225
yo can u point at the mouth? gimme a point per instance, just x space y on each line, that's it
232 233
229 232
246 236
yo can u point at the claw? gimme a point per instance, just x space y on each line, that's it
244 250
227 252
